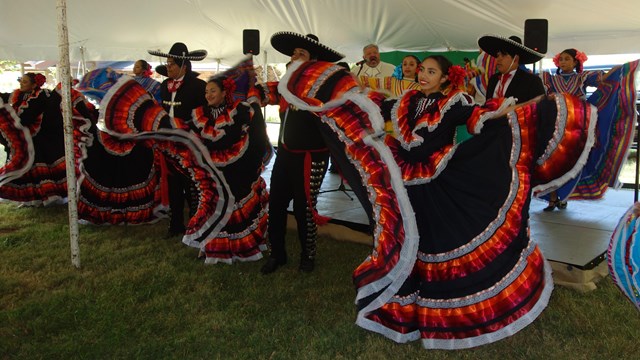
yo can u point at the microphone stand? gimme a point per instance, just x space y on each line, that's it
340 187
361 65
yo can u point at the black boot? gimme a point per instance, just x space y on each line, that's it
175 230
307 264
272 265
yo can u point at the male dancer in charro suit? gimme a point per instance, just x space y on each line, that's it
511 80
181 92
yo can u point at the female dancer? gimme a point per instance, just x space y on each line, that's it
39 111
142 74
234 133
471 209
96 83
456 268
614 98
570 79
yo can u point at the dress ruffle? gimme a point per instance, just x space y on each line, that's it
129 113
45 180
222 156
623 255
17 141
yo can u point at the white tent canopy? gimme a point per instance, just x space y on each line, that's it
125 29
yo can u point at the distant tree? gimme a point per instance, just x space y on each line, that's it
8 65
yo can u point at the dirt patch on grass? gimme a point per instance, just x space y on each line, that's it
6 231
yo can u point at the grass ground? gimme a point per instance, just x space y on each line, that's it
139 295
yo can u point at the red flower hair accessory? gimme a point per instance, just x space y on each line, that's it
556 60
229 87
147 72
40 80
580 56
456 75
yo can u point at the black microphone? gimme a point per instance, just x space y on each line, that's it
359 63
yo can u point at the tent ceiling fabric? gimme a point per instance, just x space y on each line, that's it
125 29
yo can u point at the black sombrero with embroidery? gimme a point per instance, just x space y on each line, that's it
287 41
491 44
162 70
179 51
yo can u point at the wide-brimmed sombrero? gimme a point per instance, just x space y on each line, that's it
179 51
162 70
287 41
491 44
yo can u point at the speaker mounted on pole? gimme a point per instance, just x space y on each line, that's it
251 41
536 34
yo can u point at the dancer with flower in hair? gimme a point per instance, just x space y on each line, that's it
38 110
569 79
234 132
142 74
611 135
452 263
471 208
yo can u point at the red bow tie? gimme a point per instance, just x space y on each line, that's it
173 85
503 82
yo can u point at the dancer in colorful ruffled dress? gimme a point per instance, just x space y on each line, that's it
615 98
569 79
234 133
96 83
471 207
452 263
118 182
221 148
39 111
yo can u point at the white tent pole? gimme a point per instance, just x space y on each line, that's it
65 79
265 77
82 68
265 65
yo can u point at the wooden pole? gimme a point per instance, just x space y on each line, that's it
64 70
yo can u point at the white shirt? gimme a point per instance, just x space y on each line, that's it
499 85
173 97
382 70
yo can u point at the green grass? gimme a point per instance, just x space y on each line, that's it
139 295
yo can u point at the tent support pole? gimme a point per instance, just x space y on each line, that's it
65 80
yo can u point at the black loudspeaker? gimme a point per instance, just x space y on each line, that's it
536 34
251 41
